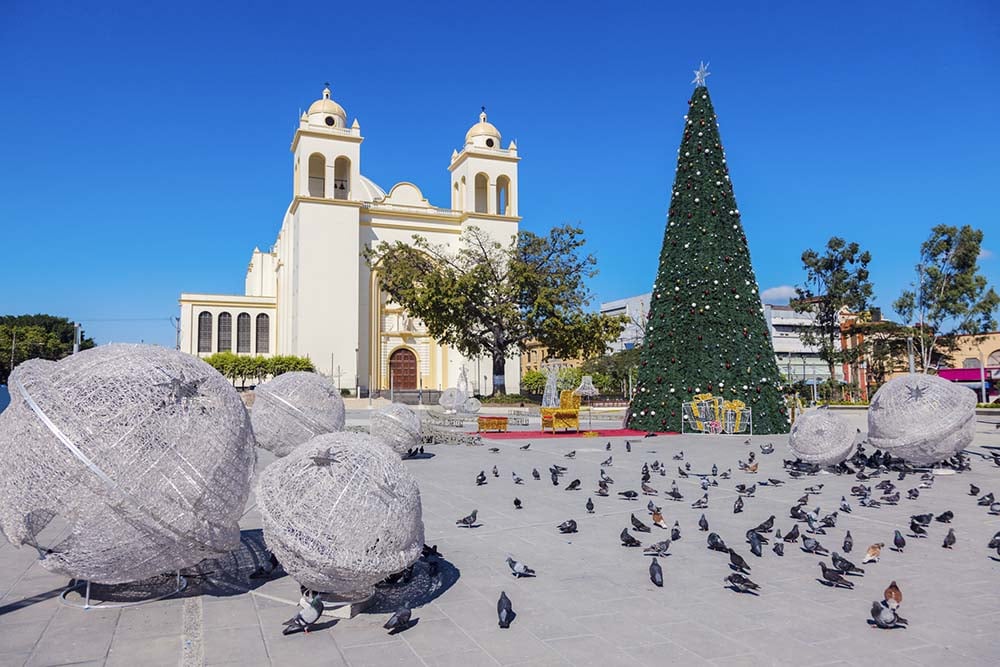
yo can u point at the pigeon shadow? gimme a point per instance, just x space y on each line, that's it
423 587
419 457
396 631
747 592
897 626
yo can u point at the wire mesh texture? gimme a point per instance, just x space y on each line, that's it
922 419
822 437
341 513
397 426
146 453
293 408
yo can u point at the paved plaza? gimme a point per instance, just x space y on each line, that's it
592 602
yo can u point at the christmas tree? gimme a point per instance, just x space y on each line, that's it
706 331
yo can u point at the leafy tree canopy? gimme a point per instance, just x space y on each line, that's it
36 337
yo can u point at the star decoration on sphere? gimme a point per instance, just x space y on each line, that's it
916 393
701 74
180 390
325 459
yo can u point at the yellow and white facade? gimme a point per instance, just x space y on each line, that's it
313 295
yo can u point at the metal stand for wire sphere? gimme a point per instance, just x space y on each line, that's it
180 583
341 607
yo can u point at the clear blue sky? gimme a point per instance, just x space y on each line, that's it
144 150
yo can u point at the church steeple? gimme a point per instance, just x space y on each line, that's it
483 174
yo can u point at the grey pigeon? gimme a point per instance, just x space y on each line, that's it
468 521
973 490
517 503
945 517
505 612
647 489
399 621
535 473
674 493
630 495
844 565
496 473
834 578
755 544
573 486
917 529
590 506
701 503
267 568
519 569
481 478
658 549
885 617
656 573
740 583
675 532
848 543
779 548
628 540
639 525
310 610
570 454
716 543
555 478
949 539
738 505
607 461
703 523
844 505
607 447
567 527
517 480
813 546
792 535
737 561
525 447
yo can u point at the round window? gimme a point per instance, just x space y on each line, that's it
489 142
331 121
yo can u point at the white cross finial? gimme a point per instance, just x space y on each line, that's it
701 74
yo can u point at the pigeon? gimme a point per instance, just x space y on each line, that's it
630 495
656 573
994 508
986 500
949 539
774 482
658 520
399 621
468 521
639 525
737 561
607 447
519 569
779 548
995 541
760 536
738 505
505 612
607 461
844 565
570 454
885 617
310 610
715 470
704 484
945 517
767 449
703 523
752 467
555 478
740 583
675 533
495 450
765 526
606 479
517 480
681 472
496 473
913 494
814 489
813 546
590 506
973 490
573 486
716 543
481 478
701 503
517 503
848 543
923 519
535 474
430 552
679 456
891 499
267 568
524 448
658 549
793 534
893 596
873 554
834 577
727 474
648 490
628 540
899 541
674 493
628 445
917 530
755 544
652 508
844 505
567 527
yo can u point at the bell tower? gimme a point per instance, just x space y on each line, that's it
327 152
483 174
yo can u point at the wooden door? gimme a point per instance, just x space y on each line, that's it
403 369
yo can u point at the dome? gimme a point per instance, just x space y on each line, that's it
327 107
483 130
367 190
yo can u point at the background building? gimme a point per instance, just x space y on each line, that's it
313 295
637 310
797 360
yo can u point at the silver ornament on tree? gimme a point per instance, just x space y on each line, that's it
146 453
293 408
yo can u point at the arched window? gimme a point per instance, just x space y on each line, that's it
994 359
970 362
341 178
461 196
503 196
317 175
205 331
243 333
455 202
482 192
263 334
225 332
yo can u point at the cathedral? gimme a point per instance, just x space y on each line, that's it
312 294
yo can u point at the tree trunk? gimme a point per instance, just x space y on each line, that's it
499 384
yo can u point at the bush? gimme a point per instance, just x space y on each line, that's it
533 382
345 392
243 368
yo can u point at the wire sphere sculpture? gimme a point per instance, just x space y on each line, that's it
922 419
293 408
451 399
147 453
471 405
397 426
822 437
341 513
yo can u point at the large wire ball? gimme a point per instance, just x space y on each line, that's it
397 426
451 399
922 419
822 437
294 407
147 453
341 513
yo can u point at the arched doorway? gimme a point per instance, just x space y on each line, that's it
403 369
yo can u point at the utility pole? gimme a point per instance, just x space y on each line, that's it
76 337
176 321
13 342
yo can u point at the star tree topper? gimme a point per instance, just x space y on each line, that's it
700 75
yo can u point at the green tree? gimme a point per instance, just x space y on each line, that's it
835 280
491 297
706 330
951 297
36 337
617 370
533 382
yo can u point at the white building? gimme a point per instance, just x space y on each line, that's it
798 361
312 293
636 308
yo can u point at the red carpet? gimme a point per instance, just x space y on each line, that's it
539 435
